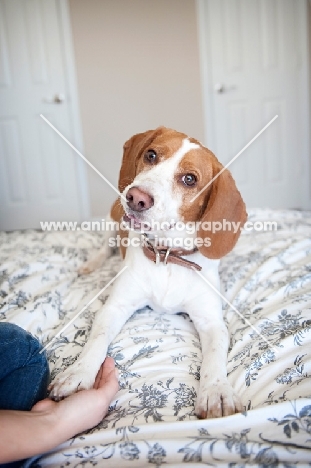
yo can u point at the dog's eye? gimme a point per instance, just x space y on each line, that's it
150 156
189 179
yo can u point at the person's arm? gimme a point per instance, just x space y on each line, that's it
27 433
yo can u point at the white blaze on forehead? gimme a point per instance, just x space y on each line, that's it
184 149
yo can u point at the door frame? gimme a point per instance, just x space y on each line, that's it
207 89
74 109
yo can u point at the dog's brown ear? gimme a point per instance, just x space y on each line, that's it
224 203
132 149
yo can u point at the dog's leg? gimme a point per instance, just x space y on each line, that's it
216 396
107 324
97 260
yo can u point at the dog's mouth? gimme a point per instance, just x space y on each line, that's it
141 225
135 223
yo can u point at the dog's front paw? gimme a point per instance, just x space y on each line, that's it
76 377
217 399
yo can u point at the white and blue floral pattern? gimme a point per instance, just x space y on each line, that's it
151 422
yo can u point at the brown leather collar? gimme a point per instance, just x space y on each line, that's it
168 254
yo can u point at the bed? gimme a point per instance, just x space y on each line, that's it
267 277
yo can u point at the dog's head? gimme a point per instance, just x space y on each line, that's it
163 170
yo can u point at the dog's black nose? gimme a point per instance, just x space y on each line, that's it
138 200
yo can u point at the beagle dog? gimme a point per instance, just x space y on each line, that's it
162 172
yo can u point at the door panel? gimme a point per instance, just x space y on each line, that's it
10 143
38 171
257 69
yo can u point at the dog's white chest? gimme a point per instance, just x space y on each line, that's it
166 295
164 286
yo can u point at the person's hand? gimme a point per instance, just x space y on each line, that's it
27 433
86 408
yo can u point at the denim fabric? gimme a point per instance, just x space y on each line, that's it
24 372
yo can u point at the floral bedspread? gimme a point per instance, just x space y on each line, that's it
151 422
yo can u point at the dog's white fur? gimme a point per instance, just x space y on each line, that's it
165 288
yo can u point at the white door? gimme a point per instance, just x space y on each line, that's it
40 177
255 65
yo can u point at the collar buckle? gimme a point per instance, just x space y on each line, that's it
167 255
157 251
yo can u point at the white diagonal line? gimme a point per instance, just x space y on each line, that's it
236 310
83 309
81 156
235 157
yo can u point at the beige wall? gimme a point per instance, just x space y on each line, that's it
137 67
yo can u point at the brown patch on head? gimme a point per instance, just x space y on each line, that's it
220 201
198 162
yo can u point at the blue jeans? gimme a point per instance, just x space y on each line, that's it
24 372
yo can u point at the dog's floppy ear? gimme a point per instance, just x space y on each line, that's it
224 203
132 149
